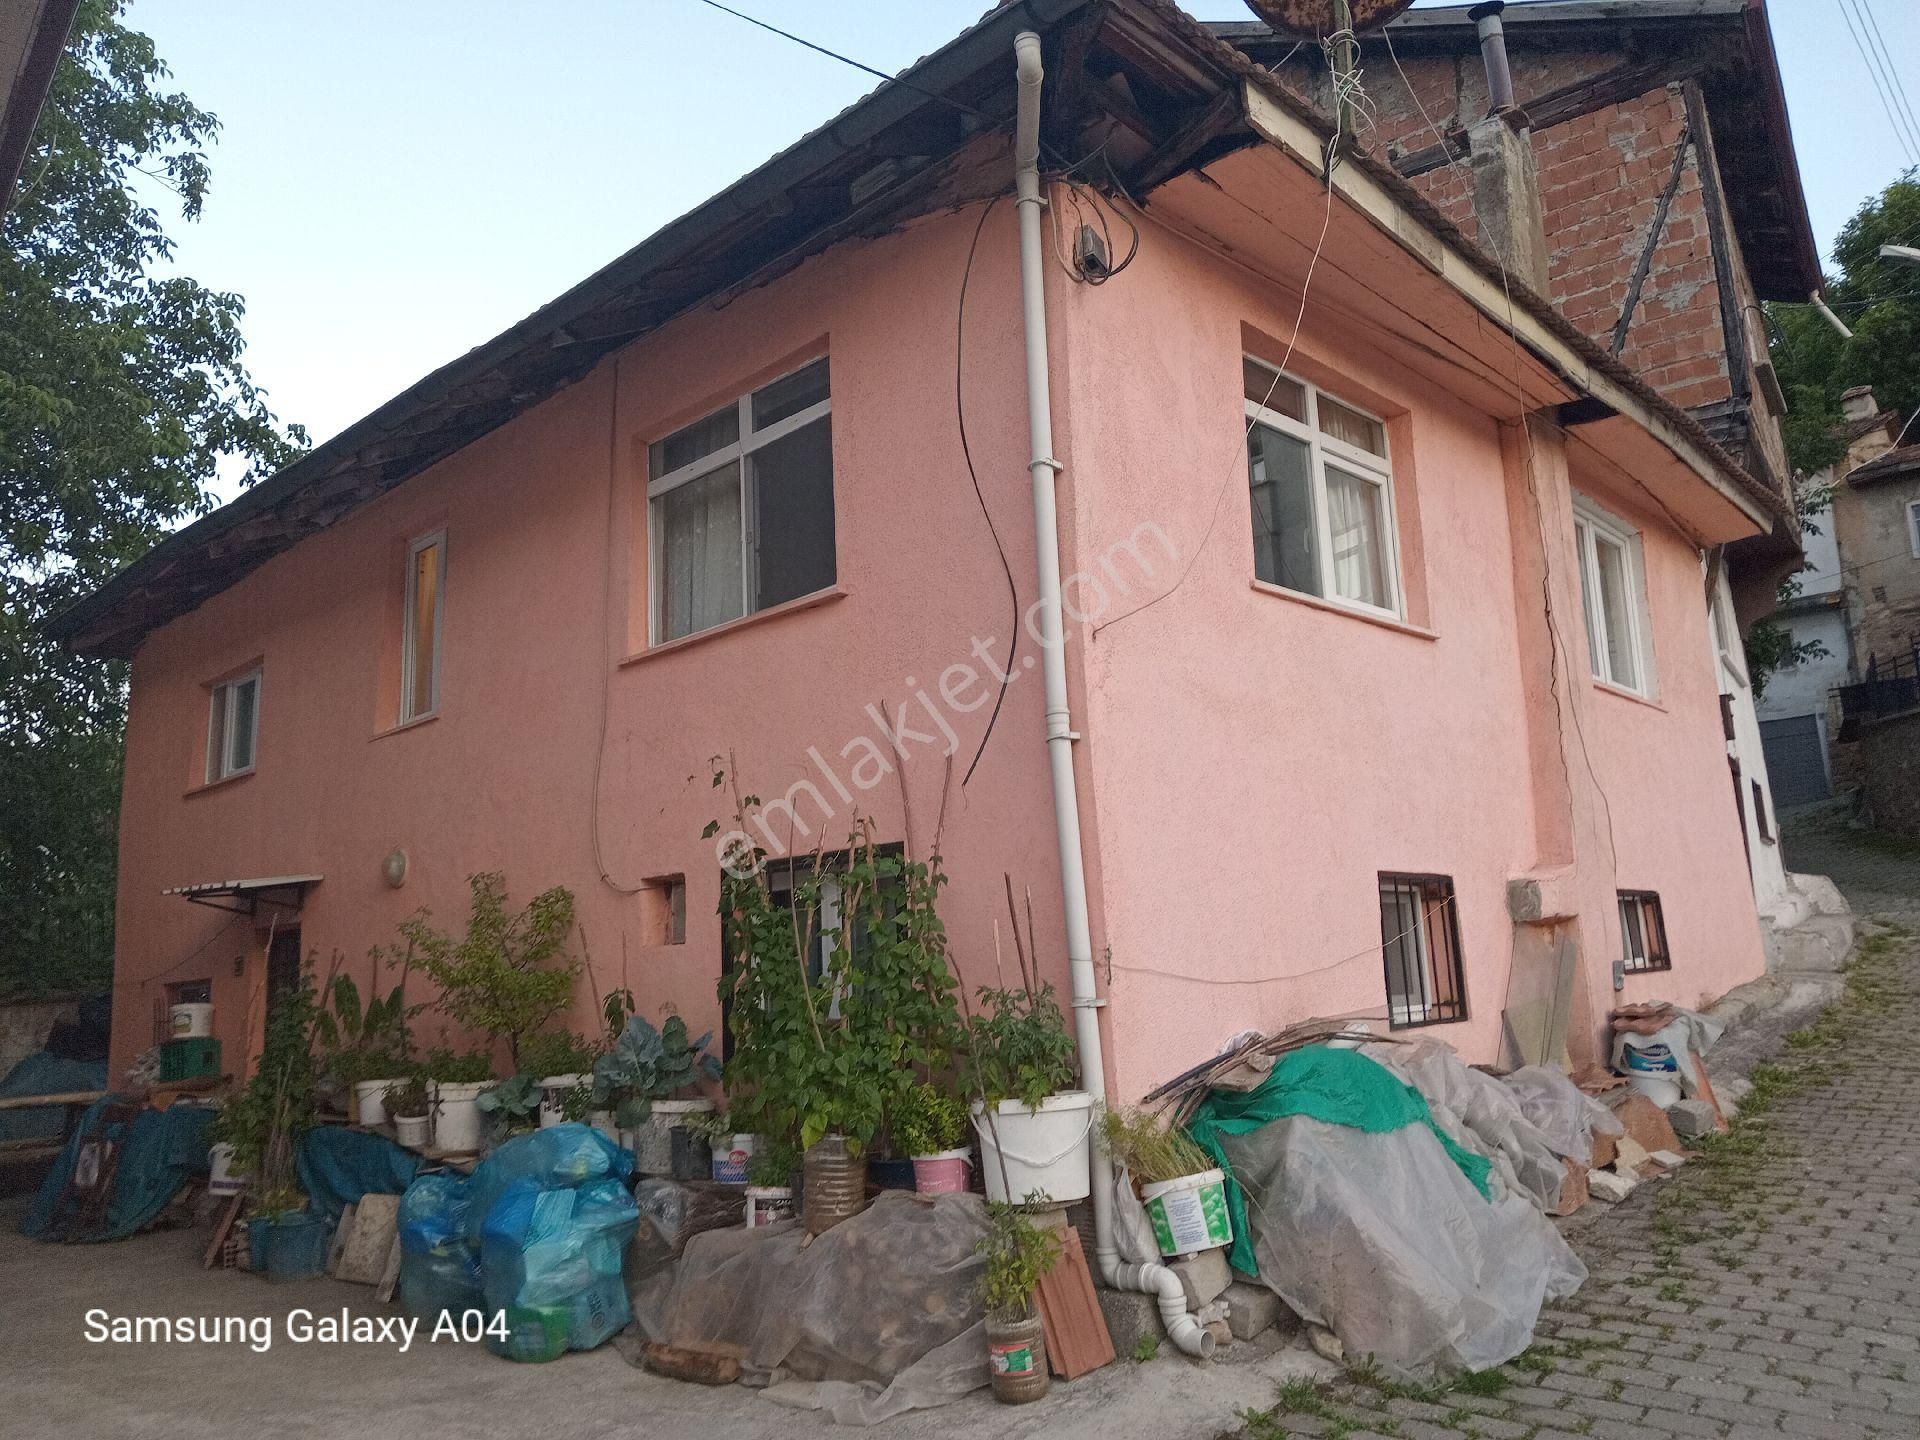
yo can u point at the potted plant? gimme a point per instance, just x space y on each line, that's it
513 1106
557 1062
930 1126
510 974
730 1147
770 1184
1018 1254
407 1101
457 1083
848 998
1034 1126
364 1047
1183 1190
640 1078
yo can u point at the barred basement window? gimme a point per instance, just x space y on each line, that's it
1643 932
1420 938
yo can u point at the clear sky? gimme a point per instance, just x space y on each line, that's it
397 182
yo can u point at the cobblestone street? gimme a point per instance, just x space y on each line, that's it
1770 1288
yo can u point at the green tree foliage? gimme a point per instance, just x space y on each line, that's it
121 391
1880 300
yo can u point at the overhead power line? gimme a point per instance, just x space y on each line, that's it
1894 79
1873 73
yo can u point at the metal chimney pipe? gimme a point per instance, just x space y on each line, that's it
1493 53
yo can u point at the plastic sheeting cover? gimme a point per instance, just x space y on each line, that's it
1481 1114
1566 1115
876 1317
1380 1238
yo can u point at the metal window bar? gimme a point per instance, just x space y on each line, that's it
1643 932
1420 946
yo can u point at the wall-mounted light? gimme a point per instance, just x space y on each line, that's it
393 869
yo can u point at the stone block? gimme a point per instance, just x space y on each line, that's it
1692 1119
1252 1309
1204 1276
1607 1186
1131 1317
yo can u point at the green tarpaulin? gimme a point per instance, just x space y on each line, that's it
1340 1087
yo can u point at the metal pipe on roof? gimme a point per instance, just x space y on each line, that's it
1493 54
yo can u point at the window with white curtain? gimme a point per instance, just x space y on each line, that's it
741 506
1613 593
1322 489
233 726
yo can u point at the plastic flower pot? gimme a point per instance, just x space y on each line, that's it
942 1173
371 1096
553 1092
1046 1150
1017 1358
459 1123
652 1143
1189 1214
835 1186
413 1131
221 1177
768 1203
731 1158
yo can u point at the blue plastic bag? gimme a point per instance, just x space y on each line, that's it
550 1260
433 1215
560 1157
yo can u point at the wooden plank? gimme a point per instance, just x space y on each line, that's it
65 1097
1077 1338
222 1229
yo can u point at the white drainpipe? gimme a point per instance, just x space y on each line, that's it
1182 1328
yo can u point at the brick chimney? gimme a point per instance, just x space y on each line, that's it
1506 182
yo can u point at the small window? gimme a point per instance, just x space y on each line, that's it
233 726
1322 491
1613 593
1760 813
420 635
663 910
741 506
1643 932
1420 938
1913 527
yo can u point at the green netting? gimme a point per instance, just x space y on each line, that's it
1340 1087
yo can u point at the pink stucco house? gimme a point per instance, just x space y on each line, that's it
1388 658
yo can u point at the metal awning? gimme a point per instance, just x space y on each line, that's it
244 897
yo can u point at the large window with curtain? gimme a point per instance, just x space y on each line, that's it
740 506
1322 490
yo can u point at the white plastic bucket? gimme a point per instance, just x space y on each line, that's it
1662 1089
411 1130
1189 1214
1044 1150
221 1180
191 1022
731 1158
372 1098
768 1203
652 1143
553 1089
942 1173
457 1121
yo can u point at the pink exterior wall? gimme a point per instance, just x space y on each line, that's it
1256 760
1250 761
503 778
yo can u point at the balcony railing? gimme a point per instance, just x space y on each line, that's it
1890 687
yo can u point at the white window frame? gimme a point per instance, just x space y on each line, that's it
408 639
1591 524
1374 468
221 730
748 442
1913 527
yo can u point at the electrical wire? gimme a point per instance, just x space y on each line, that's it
1899 135
193 955
1871 23
966 451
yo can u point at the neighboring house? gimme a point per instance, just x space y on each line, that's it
32 35
1798 718
1387 639
1876 517
1671 207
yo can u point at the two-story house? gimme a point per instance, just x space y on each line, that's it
1671 207
1309 612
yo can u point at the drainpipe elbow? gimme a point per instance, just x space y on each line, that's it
1188 1335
